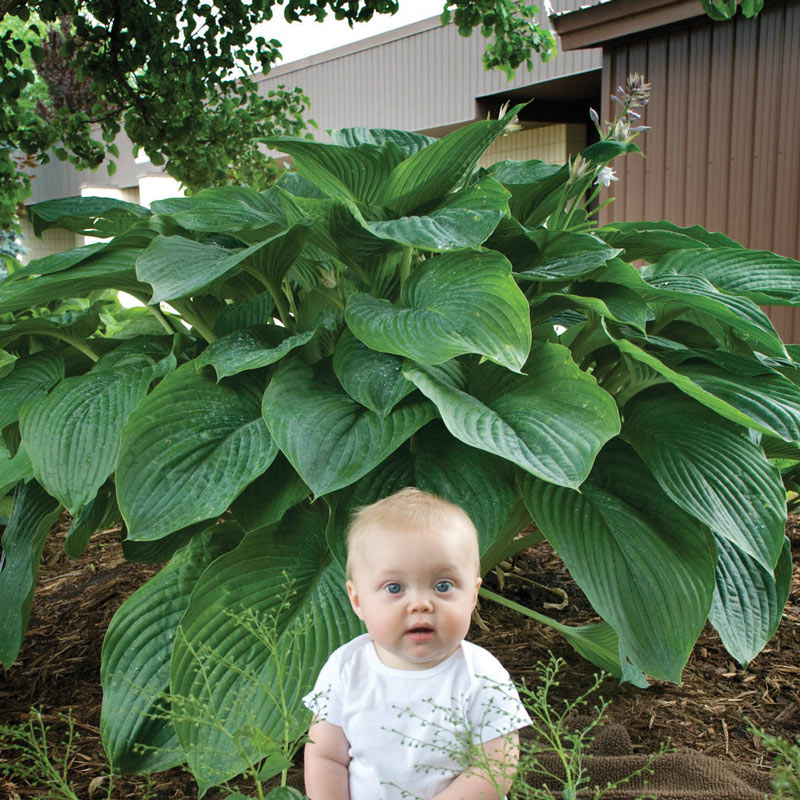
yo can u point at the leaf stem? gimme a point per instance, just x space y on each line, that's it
78 344
159 315
405 266
187 310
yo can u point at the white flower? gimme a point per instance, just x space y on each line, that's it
605 176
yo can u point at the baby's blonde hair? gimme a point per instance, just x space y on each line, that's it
409 508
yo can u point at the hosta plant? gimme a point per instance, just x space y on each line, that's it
388 315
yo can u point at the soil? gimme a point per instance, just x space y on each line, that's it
58 667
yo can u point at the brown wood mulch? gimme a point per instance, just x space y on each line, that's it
58 668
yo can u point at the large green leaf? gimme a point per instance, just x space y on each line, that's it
329 438
535 187
354 173
187 451
455 303
275 607
55 262
250 348
232 209
653 240
708 468
698 295
269 496
13 470
551 255
597 642
99 514
428 175
604 299
72 436
32 377
748 600
479 483
69 325
409 143
111 268
646 566
552 421
90 216
762 276
373 379
135 722
33 513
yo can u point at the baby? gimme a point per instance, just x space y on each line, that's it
395 710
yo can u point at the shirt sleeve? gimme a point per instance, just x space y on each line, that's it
495 707
325 699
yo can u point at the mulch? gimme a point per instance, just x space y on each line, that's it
58 667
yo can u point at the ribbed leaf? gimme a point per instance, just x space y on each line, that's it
535 188
112 268
697 294
709 469
552 421
428 175
653 240
159 551
178 267
353 173
269 496
453 304
13 470
748 601
646 566
232 209
234 317
250 348
606 300
409 143
762 276
72 436
33 513
134 667
187 452
551 255
329 438
373 379
479 483
98 514
76 324
32 377
90 216
55 262
285 586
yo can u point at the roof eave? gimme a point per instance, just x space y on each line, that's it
596 25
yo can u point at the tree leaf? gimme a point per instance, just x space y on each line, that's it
373 379
134 667
551 421
33 513
707 468
187 451
250 348
276 607
32 377
748 600
455 303
329 438
646 566
72 436
428 175
762 276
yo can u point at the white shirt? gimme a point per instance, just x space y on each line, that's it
406 728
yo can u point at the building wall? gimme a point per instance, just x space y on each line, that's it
552 143
725 119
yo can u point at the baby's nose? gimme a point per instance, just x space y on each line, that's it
420 601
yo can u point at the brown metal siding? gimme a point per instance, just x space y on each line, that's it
725 119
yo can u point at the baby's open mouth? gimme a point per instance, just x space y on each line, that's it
420 633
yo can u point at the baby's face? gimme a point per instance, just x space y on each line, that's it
415 591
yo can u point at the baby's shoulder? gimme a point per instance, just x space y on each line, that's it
350 652
482 664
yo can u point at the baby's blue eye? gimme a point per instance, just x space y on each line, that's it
394 588
443 586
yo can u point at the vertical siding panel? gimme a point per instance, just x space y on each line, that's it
741 132
654 142
719 127
607 85
787 183
697 123
620 189
677 111
765 138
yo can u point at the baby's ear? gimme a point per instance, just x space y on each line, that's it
352 594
